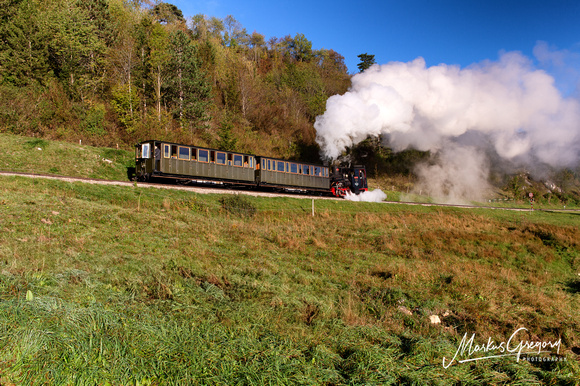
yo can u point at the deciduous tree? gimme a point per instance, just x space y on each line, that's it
301 48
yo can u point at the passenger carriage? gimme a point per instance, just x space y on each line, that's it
292 175
172 160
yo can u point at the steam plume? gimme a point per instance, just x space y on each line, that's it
511 108
376 195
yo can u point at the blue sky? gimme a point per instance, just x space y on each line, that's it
458 32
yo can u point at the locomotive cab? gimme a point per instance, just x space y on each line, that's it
350 180
359 179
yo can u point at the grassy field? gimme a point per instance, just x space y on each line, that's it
35 155
136 286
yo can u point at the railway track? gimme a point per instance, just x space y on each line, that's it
202 188
206 189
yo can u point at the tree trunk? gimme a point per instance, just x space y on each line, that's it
158 93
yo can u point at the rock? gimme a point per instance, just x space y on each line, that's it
405 310
434 319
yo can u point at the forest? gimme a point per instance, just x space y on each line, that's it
114 72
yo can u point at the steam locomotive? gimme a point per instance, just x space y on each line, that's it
194 164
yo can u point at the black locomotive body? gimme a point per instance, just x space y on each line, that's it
348 180
160 159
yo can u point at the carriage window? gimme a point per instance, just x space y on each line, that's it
280 166
173 151
293 168
238 160
212 156
316 171
305 169
166 151
193 154
184 153
145 150
203 156
269 165
221 158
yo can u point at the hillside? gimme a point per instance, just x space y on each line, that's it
130 285
113 72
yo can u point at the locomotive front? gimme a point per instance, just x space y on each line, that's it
348 180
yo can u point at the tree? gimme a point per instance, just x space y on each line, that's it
234 34
124 98
187 83
216 29
200 26
257 42
366 61
143 69
123 58
333 71
23 43
76 50
159 61
100 18
166 13
227 140
98 14
300 48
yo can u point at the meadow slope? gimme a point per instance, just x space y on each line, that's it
128 285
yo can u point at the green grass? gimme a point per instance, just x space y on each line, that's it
35 155
118 285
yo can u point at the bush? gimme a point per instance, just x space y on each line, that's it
238 205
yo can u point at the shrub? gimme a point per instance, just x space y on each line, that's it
238 205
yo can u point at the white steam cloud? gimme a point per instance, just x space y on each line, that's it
509 106
458 173
376 195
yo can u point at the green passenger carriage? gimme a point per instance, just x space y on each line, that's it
292 174
172 160
160 159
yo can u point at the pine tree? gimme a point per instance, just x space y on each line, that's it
366 61
227 139
23 43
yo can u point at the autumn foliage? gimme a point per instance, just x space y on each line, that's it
115 72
